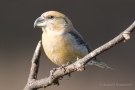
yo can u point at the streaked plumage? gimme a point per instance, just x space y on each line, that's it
61 42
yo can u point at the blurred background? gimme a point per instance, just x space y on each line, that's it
98 21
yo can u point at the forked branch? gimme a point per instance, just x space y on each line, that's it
79 65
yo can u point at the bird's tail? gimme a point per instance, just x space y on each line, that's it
100 64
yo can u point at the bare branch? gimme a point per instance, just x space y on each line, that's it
79 65
34 67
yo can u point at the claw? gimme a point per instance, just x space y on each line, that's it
63 67
52 71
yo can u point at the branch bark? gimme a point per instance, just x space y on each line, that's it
79 65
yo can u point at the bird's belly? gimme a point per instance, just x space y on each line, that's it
61 51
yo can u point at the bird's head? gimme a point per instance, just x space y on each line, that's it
54 22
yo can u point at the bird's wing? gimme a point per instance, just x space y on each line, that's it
79 39
94 61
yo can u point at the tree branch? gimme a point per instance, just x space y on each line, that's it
79 65
34 67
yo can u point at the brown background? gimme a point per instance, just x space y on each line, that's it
98 21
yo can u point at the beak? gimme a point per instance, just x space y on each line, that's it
39 22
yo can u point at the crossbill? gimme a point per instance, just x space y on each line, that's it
61 42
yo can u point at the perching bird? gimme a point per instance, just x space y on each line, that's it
61 42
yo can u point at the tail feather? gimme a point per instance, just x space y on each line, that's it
100 64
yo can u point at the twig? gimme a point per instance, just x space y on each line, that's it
79 65
34 67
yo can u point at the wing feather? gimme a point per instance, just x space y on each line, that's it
79 39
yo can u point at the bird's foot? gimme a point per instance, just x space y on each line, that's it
63 67
52 72
56 82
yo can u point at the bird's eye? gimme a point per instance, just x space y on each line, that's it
50 17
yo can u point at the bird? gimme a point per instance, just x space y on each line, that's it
61 42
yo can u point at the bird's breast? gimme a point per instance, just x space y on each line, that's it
61 49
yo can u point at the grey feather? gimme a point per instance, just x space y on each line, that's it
79 39
94 61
